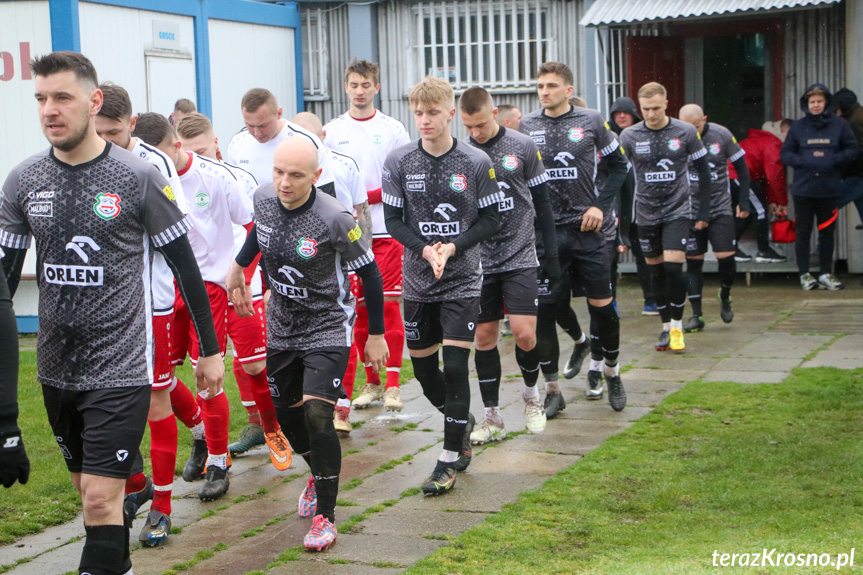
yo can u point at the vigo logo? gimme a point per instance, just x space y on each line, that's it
289 272
563 158
442 210
79 242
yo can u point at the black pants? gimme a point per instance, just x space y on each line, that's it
640 265
757 211
824 211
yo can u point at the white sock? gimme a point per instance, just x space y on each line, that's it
448 456
530 393
198 431
666 326
611 370
677 324
581 339
493 413
220 461
343 402
595 365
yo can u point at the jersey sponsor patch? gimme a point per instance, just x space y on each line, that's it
660 176
562 173
458 182
642 148
377 139
491 173
107 206
40 209
576 134
674 144
307 248
414 182
505 205
202 199
510 162
169 191
355 233
83 276
440 229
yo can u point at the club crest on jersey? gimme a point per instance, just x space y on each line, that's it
674 144
576 134
107 206
377 139
307 248
510 162
202 199
714 149
458 183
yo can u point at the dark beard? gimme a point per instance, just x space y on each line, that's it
73 140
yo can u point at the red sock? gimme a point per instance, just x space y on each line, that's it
247 396
184 406
266 412
351 372
216 423
135 483
395 336
361 336
163 456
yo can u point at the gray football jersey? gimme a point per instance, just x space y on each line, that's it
570 145
441 197
93 225
660 161
721 148
307 254
518 167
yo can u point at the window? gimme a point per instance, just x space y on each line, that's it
315 60
492 44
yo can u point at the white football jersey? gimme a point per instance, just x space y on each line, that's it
368 142
350 188
249 185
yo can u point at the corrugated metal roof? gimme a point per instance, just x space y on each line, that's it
605 12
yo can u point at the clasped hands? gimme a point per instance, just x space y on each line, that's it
437 256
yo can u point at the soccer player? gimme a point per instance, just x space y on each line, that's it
14 463
508 116
441 202
308 243
722 148
182 107
248 334
660 150
509 261
96 212
573 141
367 135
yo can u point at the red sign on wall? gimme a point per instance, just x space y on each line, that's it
8 63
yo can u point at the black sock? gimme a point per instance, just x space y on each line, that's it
658 284
762 228
428 373
488 372
326 455
528 363
695 283
676 288
727 269
293 423
606 323
567 320
457 396
103 551
548 348
595 342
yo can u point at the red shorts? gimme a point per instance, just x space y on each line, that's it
248 334
185 339
163 365
389 255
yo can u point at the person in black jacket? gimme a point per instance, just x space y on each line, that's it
846 105
817 146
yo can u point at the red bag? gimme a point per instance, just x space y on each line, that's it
784 230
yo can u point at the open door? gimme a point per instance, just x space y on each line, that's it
652 59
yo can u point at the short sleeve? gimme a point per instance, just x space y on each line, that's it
348 240
14 227
393 193
488 192
160 216
694 146
606 141
401 137
624 143
239 205
732 148
357 187
534 169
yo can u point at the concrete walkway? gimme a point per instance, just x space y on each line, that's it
255 528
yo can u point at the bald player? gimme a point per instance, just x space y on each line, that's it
721 148
308 243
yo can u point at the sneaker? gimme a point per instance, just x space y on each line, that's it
341 421
441 479
829 282
553 404
505 329
156 529
280 451
807 282
466 453
663 342
594 385
489 431
534 416
252 436
194 468
215 485
616 393
321 536
369 394
676 344
725 311
769 256
695 323
393 399
133 501
308 504
650 309
579 352
741 256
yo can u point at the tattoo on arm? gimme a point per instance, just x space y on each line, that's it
364 219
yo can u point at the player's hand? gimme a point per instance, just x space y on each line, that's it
266 300
779 211
700 225
209 374
377 352
430 254
591 221
742 215
444 252
239 293
14 464
622 248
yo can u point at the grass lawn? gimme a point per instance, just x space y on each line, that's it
716 467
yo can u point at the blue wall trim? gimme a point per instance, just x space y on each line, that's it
27 323
65 31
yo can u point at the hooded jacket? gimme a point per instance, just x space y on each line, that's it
852 112
817 146
762 159
623 104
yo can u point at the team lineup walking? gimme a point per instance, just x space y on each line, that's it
315 245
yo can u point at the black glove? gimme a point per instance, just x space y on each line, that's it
14 465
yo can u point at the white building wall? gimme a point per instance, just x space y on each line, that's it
245 56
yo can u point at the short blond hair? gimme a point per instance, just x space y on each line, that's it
193 125
431 91
651 89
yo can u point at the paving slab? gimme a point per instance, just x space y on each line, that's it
830 360
743 364
747 376
672 375
398 550
321 567
782 345
396 521
497 489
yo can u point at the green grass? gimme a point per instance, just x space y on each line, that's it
715 467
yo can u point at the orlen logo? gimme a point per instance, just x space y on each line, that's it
290 291
76 275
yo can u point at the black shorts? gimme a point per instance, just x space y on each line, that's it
517 289
292 373
99 431
584 264
429 323
671 235
720 234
